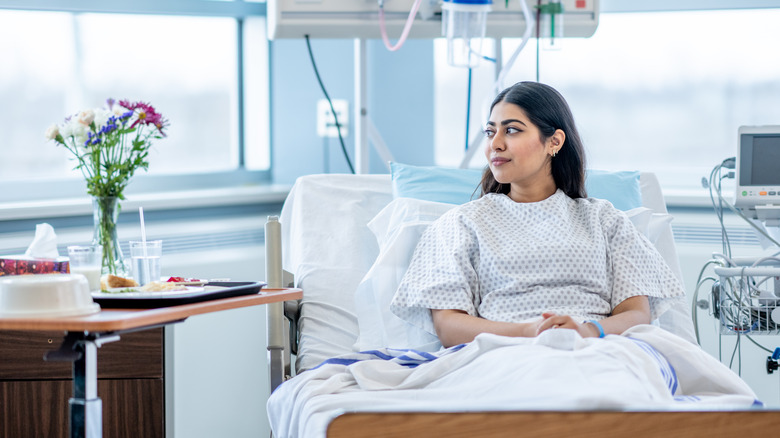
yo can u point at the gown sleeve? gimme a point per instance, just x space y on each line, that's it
637 268
442 273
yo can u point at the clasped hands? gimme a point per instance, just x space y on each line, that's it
554 321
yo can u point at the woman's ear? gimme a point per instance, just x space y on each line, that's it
556 141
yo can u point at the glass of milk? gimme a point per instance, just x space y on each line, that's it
87 260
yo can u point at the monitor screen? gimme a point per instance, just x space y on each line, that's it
760 164
758 173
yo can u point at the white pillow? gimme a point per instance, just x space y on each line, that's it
398 228
648 223
329 248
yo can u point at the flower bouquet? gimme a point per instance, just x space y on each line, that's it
109 145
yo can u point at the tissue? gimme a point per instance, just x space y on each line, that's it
44 244
41 256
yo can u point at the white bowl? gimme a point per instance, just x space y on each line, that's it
45 295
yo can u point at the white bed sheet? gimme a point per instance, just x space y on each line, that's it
646 368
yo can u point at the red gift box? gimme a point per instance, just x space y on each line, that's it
21 265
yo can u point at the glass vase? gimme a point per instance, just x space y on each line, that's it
105 212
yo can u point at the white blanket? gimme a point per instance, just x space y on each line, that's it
645 368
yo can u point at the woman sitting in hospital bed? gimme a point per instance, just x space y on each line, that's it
533 252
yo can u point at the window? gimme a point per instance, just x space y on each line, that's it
655 91
186 66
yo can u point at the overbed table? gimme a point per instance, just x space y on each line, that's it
84 334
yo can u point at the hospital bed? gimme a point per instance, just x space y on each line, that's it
347 239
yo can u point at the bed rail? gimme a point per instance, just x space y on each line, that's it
279 345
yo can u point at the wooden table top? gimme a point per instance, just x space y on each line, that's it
109 320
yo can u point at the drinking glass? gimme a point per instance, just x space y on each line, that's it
86 260
145 260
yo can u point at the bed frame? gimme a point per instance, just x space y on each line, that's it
582 424
282 334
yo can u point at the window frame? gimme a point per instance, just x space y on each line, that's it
40 190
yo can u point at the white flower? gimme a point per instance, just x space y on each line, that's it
79 133
67 130
52 132
86 117
101 117
118 110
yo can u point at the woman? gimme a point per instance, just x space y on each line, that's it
533 252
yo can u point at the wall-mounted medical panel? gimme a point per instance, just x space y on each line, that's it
360 18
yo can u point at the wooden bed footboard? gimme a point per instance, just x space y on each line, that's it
581 424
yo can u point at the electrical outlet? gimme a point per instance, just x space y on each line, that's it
326 123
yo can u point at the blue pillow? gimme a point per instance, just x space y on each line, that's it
431 183
621 188
456 186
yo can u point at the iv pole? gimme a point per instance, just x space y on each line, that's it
365 130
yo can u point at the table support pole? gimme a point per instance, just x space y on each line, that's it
86 408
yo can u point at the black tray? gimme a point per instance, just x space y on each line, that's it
211 291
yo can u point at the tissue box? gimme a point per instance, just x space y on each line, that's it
19 265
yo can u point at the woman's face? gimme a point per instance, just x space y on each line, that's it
516 153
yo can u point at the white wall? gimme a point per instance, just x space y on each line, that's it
216 372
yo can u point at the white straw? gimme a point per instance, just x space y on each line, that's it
143 239
143 228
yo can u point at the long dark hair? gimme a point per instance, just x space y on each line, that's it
548 110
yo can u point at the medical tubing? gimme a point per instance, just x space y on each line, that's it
734 353
718 207
725 258
694 311
721 201
757 344
407 27
766 259
468 108
330 102
742 215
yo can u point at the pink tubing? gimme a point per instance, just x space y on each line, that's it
407 28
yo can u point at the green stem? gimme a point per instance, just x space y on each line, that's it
105 234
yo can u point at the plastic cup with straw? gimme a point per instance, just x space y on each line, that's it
143 239
142 253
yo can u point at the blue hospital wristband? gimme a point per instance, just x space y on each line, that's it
598 326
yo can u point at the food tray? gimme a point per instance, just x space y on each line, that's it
150 300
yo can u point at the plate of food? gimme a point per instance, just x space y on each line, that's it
155 288
128 294
184 281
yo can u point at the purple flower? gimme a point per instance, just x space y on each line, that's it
92 139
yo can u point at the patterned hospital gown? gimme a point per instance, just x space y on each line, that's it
509 261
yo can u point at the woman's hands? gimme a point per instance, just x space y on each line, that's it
553 321
456 326
630 312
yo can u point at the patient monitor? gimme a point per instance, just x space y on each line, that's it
758 173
